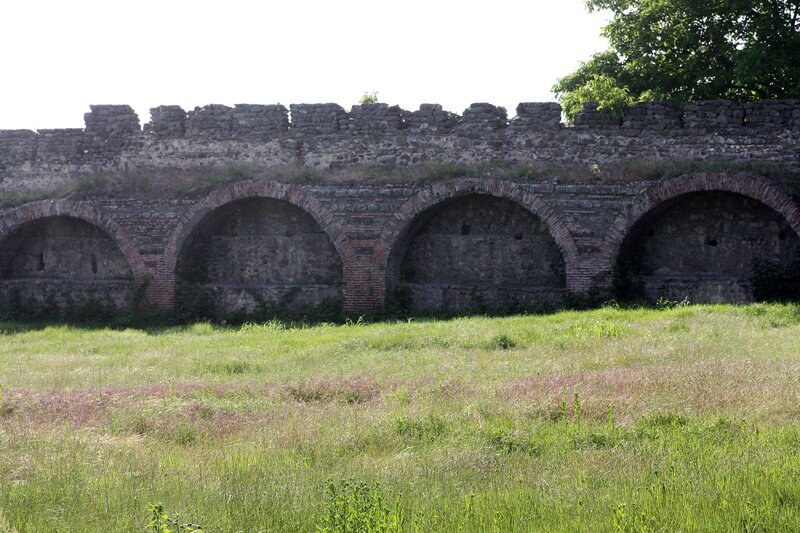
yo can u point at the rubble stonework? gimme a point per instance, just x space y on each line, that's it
462 243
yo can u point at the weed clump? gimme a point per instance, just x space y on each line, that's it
6 409
141 425
505 439
502 342
185 435
161 522
5 525
352 506
234 367
426 429
628 518
348 391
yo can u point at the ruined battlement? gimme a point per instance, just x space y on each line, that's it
113 130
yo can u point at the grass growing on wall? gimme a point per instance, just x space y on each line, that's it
194 182
629 420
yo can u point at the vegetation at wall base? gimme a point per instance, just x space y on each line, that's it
673 417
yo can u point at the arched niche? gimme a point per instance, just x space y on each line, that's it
256 257
63 265
709 247
475 253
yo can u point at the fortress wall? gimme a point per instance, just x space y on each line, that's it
346 235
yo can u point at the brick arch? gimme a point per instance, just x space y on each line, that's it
33 211
442 191
663 191
164 294
250 189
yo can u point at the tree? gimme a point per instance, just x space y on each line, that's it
689 50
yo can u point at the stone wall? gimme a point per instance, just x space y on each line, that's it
325 136
360 232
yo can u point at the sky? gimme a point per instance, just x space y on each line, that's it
61 56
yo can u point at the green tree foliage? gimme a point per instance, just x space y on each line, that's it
688 50
597 88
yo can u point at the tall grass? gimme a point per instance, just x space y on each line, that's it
605 420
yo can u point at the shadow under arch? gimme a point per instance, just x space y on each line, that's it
33 211
226 200
66 256
417 211
668 195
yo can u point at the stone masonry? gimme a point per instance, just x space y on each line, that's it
318 207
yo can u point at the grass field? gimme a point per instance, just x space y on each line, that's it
629 420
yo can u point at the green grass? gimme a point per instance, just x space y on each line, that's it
606 420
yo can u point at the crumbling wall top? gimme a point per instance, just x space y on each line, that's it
113 129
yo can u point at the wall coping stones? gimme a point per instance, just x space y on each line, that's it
112 124
377 117
431 118
17 146
714 114
653 116
166 121
61 145
109 129
253 121
213 121
773 114
592 117
483 117
318 118
537 115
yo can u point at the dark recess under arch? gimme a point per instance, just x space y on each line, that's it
709 247
476 253
63 266
259 257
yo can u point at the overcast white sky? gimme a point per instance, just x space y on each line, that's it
60 56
